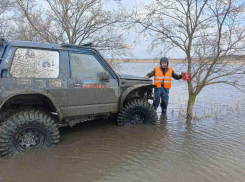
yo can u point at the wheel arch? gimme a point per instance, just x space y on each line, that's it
136 91
45 97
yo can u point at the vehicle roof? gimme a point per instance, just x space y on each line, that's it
31 44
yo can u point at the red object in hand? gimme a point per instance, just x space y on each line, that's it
186 76
183 75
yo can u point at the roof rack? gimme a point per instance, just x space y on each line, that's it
3 41
90 44
78 46
3 44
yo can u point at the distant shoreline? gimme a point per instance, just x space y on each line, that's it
229 60
145 60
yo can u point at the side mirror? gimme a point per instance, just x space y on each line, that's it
106 76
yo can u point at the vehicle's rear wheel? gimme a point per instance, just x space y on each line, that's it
137 111
5 114
27 129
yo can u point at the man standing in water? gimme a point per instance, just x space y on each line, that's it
162 79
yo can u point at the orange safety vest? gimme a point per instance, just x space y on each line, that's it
159 77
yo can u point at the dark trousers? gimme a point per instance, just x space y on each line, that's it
163 95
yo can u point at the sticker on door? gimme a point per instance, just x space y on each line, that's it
93 84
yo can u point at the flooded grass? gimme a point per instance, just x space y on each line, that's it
209 110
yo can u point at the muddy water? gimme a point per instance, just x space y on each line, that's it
211 149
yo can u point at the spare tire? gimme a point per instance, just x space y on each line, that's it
27 129
137 111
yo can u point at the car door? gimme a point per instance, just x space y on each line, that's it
88 91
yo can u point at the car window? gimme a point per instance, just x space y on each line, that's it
35 63
86 67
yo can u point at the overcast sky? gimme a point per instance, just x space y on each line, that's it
139 50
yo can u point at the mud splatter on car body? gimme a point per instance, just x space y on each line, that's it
70 83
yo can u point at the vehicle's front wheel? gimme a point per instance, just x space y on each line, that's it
137 111
27 129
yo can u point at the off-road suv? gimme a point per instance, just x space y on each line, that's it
46 86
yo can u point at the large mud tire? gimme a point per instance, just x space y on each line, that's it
137 111
27 129
5 114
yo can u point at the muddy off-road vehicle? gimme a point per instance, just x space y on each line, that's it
47 86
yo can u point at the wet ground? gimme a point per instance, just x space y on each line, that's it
211 149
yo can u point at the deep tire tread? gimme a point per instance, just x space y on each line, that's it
139 104
23 118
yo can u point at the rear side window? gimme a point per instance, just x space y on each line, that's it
35 63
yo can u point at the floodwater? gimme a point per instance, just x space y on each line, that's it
211 149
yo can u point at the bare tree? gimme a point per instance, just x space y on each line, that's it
71 21
5 19
209 32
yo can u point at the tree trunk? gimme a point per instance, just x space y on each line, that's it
189 112
192 96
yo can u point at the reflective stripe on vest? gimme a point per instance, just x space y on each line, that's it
159 77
